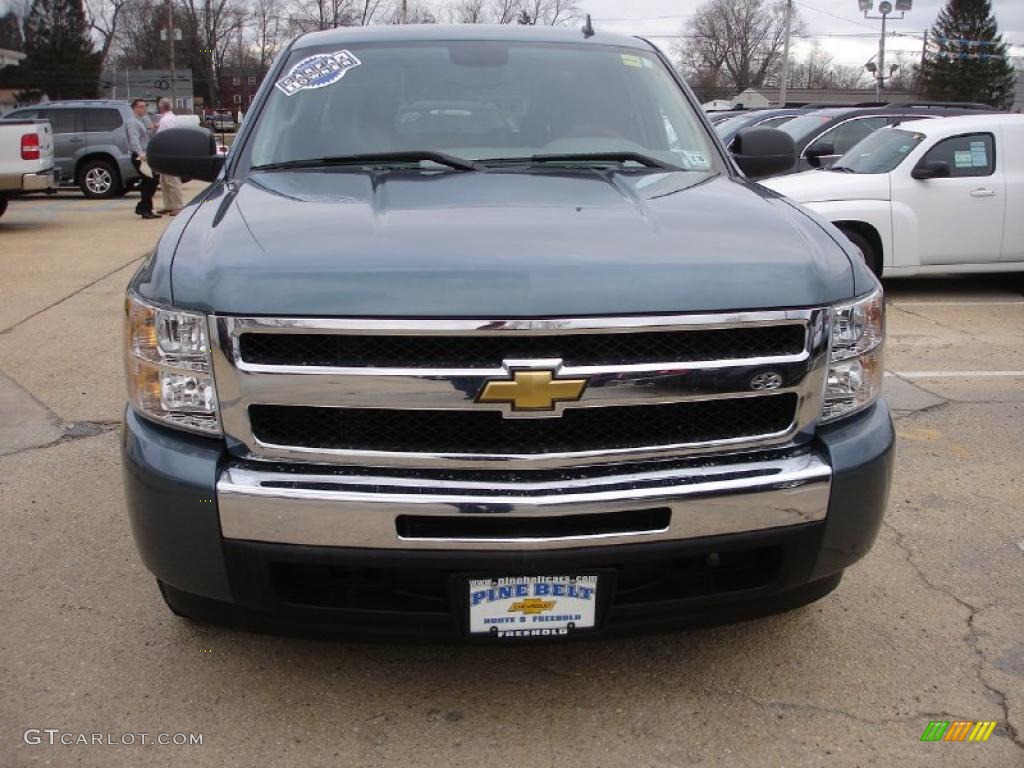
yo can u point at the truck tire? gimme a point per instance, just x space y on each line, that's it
3 205
99 180
867 251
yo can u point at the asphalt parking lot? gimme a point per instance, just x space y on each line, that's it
930 626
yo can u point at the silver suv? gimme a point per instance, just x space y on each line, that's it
90 143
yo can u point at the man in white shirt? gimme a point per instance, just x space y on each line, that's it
170 186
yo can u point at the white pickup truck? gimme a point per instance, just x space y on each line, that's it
26 158
927 196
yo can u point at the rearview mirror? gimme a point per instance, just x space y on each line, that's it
932 169
762 152
190 153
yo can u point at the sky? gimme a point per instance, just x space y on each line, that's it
837 24
854 40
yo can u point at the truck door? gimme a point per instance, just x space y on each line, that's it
1011 160
68 138
960 218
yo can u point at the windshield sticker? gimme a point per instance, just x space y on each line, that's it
316 72
696 160
630 60
979 154
963 158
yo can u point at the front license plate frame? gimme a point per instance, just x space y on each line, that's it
530 612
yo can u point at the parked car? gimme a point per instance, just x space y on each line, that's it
766 118
427 373
90 143
825 135
927 196
26 159
720 116
222 120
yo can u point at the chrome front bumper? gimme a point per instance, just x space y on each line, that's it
361 508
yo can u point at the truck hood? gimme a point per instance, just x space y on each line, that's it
823 186
345 242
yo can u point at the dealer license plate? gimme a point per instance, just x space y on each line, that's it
532 606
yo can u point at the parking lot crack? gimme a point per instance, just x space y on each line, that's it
71 295
985 342
972 638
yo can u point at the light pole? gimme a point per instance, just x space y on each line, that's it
785 55
884 8
171 34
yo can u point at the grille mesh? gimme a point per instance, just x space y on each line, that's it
579 429
340 350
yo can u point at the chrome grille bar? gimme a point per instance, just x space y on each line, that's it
241 384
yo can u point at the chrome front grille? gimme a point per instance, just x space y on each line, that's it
404 392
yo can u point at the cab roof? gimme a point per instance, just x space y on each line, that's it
509 33
952 126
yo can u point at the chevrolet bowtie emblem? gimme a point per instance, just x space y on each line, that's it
532 391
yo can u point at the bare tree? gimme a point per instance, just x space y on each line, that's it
213 24
104 16
847 77
504 11
550 12
316 15
815 71
742 38
415 13
268 30
137 44
468 12
364 11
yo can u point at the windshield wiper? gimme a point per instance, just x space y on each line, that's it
587 157
841 168
380 158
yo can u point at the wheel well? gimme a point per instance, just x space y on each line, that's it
870 234
97 156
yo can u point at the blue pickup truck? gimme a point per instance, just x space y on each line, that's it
479 333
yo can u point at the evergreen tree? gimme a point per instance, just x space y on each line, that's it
10 33
60 59
966 58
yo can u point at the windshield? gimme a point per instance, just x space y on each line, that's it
880 152
477 101
803 127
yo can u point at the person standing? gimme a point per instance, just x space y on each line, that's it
170 186
138 138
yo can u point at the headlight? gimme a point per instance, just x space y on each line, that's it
167 362
855 367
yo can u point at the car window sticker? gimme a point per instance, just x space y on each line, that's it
317 71
963 158
696 160
979 154
630 60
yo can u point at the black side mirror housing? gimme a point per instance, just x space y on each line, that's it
762 152
190 153
933 169
817 151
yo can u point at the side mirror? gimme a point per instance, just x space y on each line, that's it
933 169
190 153
763 151
819 150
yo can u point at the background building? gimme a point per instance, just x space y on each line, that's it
151 85
237 91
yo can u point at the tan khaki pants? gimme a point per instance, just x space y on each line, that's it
170 190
